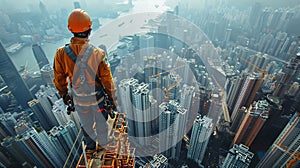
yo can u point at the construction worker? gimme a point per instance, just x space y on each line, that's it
85 68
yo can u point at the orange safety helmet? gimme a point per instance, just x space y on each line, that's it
79 21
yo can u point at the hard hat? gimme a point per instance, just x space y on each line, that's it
79 21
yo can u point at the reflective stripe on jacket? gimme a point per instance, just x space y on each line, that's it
63 68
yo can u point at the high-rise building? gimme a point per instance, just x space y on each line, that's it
256 10
43 9
259 60
21 156
159 161
13 79
227 36
247 93
186 98
289 73
238 156
235 124
286 149
39 143
58 140
47 96
202 129
136 102
59 111
234 86
141 110
39 55
122 50
47 74
146 41
77 5
63 137
41 115
172 122
7 124
252 123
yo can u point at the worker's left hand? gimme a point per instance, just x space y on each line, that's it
67 98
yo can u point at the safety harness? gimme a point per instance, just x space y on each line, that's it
85 94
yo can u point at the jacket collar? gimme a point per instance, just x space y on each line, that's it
77 40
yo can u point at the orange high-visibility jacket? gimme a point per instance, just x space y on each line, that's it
63 68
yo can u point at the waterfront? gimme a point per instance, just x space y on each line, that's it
25 55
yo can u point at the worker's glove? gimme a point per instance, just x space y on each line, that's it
67 98
110 107
70 107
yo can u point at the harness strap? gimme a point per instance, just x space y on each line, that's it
82 66
70 53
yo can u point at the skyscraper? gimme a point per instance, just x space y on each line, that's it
227 36
39 143
135 101
202 129
22 156
39 55
256 10
63 137
77 5
141 110
47 96
238 156
234 86
146 41
288 75
13 79
47 74
286 148
43 9
235 124
159 161
252 123
187 98
248 91
7 123
41 115
59 111
172 122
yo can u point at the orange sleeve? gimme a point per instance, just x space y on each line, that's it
106 77
60 77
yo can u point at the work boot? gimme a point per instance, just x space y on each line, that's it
90 153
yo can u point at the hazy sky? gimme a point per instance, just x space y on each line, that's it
26 5
272 3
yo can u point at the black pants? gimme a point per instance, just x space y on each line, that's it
94 125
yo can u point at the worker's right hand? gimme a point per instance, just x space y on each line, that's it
67 98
